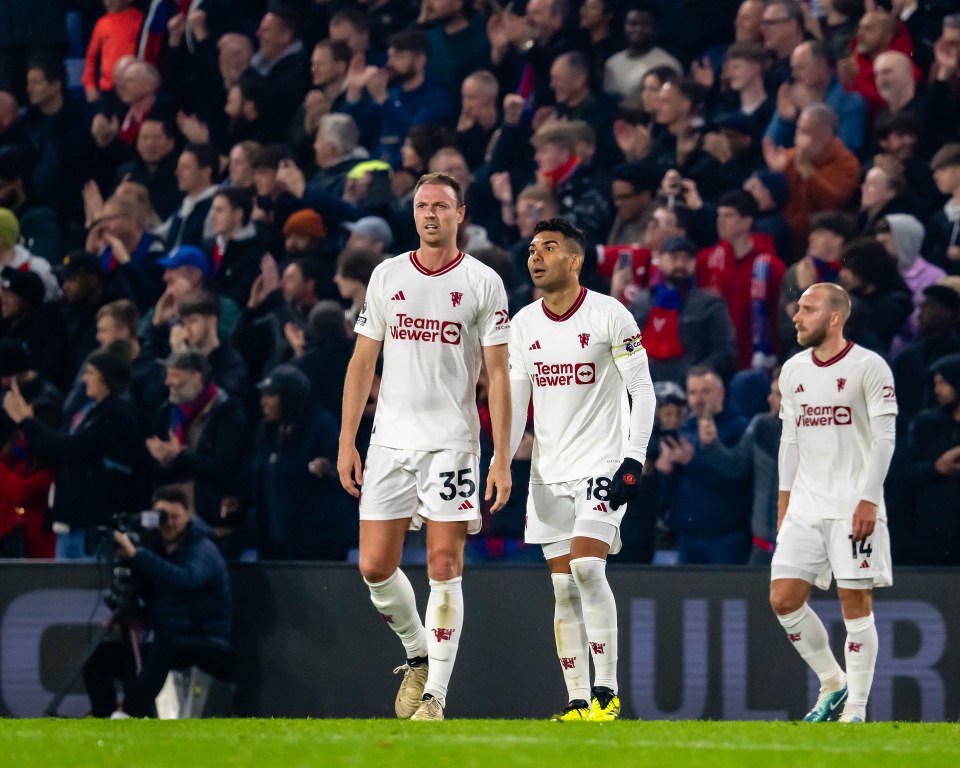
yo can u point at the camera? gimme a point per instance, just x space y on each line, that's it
121 595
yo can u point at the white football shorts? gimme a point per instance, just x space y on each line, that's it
562 511
421 485
814 548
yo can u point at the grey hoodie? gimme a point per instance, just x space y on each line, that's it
908 235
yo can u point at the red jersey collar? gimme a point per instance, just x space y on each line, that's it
570 312
835 359
431 273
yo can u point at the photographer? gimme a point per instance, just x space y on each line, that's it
183 581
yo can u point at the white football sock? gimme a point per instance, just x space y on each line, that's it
860 652
808 635
599 617
571 636
395 601
444 625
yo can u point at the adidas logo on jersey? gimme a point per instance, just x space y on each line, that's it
466 505
601 507
535 345
398 297
865 564
798 389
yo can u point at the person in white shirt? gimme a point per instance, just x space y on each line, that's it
839 412
624 71
436 313
575 351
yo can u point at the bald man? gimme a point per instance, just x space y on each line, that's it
893 74
839 411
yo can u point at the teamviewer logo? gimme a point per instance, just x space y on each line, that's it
450 332
842 414
585 373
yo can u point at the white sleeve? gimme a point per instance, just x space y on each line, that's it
788 459
644 406
520 390
883 430
788 412
878 388
493 322
371 321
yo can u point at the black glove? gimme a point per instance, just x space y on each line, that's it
626 483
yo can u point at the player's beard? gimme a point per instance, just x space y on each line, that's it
814 337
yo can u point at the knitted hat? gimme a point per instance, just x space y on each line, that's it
305 222
9 229
114 369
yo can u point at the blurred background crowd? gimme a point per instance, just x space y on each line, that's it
194 193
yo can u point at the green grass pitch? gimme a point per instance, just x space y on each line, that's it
468 743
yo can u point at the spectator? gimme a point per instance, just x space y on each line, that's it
83 292
839 24
743 71
873 281
710 514
602 36
878 31
328 72
128 251
237 247
137 86
754 456
305 236
942 245
99 449
632 190
323 354
350 25
15 257
60 150
771 192
735 148
880 195
302 512
580 201
413 99
930 535
821 173
624 71
190 225
114 36
534 203
28 28
901 234
336 151
25 478
782 28
26 318
942 100
370 233
282 64
479 116
274 302
893 76
154 164
458 41
897 137
185 589
814 80
938 336
198 440
830 231
354 267
39 226
683 325
743 269
199 316
240 164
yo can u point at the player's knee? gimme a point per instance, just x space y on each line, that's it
443 566
783 602
374 571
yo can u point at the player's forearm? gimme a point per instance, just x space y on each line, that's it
520 399
356 390
788 460
642 413
500 414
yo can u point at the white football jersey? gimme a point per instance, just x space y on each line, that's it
573 362
432 325
826 409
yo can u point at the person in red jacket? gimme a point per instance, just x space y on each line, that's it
114 36
744 269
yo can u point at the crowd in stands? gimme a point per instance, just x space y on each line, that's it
194 193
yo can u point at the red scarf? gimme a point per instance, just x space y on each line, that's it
184 414
561 173
661 331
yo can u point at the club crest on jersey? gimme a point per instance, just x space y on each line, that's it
584 340
824 415
563 374
455 298
442 633
568 662
841 383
